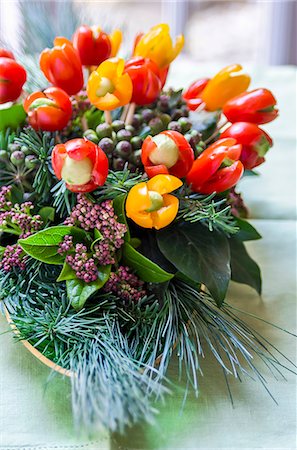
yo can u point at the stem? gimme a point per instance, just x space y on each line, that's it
57 138
84 123
217 131
125 111
130 113
201 107
107 115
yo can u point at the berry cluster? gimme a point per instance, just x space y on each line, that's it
122 143
125 285
91 216
13 257
17 218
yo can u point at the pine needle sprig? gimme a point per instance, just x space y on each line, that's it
120 352
63 199
41 145
117 183
208 210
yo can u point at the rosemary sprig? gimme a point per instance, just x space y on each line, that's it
209 210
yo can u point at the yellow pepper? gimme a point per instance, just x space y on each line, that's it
116 40
157 45
108 88
226 84
150 205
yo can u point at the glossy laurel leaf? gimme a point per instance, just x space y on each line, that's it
79 292
44 244
243 268
146 269
246 231
200 254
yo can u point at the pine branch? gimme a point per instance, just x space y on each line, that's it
208 210
117 183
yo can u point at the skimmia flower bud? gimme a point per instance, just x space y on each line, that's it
81 164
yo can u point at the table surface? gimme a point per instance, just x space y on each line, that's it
36 415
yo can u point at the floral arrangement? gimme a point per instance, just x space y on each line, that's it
121 224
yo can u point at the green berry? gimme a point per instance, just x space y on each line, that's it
135 158
174 126
104 130
117 125
137 120
31 162
185 124
176 114
13 147
124 135
136 142
123 149
4 155
147 115
156 125
118 164
26 150
107 145
91 136
131 129
17 158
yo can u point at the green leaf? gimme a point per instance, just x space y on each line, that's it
119 209
93 117
205 122
2 250
98 236
246 231
67 273
47 214
12 117
146 269
135 242
243 268
78 291
200 254
44 244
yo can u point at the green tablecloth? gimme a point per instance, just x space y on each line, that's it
36 415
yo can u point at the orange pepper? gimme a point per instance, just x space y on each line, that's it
227 83
108 88
157 45
150 205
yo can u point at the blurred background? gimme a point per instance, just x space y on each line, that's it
227 31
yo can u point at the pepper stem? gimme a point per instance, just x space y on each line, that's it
130 114
108 118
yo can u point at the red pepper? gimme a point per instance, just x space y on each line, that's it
49 110
144 74
12 79
93 46
255 142
62 67
192 95
6 53
163 75
257 106
207 174
167 153
81 164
